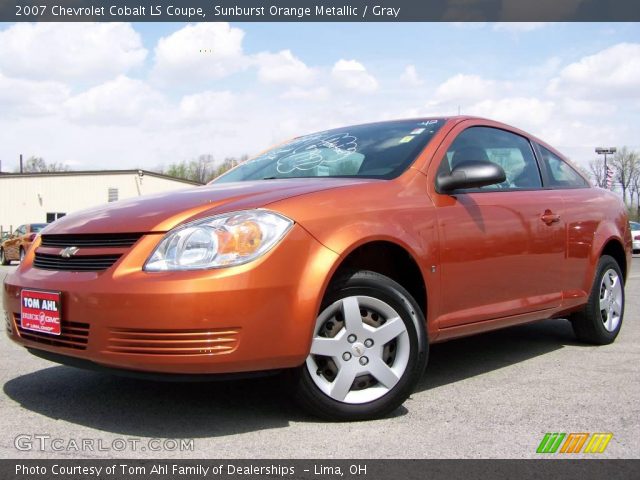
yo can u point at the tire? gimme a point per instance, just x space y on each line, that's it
363 367
3 258
21 254
600 321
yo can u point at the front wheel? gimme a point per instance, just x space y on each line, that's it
600 321
369 349
21 254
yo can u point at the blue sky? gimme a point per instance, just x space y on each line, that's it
143 95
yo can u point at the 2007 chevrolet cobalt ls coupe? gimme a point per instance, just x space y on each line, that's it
337 257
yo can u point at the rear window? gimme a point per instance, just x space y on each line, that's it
378 150
561 174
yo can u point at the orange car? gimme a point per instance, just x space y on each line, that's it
338 257
16 245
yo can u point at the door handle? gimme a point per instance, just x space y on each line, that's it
549 217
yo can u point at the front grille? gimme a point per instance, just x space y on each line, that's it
84 263
173 342
73 335
92 240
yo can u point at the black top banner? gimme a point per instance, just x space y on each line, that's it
319 10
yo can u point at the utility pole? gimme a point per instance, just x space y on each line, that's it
21 168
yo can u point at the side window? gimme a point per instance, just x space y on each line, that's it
561 174
512 152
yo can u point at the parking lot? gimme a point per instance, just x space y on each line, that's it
489 396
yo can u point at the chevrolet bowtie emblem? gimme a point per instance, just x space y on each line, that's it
68 252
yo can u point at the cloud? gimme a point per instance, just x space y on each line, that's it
70 51
410 77
352 75
316 94
465 88
206 106
610 73
28 98
184 104
282 67
518 27
202 51
122 101
526 112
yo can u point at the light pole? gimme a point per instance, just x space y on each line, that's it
606 151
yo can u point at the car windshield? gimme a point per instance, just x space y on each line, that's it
36 227
378 150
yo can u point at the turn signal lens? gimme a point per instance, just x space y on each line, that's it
245 238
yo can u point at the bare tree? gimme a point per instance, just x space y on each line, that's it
625 163
596 172
203 169
37 164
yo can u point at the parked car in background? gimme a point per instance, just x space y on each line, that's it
17 243
635 235
338 257
4 236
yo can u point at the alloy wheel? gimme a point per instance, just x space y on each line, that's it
360 350
610 300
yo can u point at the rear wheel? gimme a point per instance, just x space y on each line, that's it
369 350
599 323
3 258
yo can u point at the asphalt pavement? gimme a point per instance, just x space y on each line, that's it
490 396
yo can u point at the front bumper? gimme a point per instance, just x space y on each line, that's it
252 317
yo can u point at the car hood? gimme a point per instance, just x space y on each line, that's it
162 212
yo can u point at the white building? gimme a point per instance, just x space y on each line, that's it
43 197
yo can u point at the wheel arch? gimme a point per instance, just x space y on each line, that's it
390 258
614 248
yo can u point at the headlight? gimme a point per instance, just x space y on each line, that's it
220 241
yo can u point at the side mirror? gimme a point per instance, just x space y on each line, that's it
471 175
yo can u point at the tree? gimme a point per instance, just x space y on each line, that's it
202 169
625 163
37 164
596 172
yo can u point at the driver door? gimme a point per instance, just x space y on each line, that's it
502 246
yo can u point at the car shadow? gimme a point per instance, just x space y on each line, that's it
196 410
468 357
146 408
